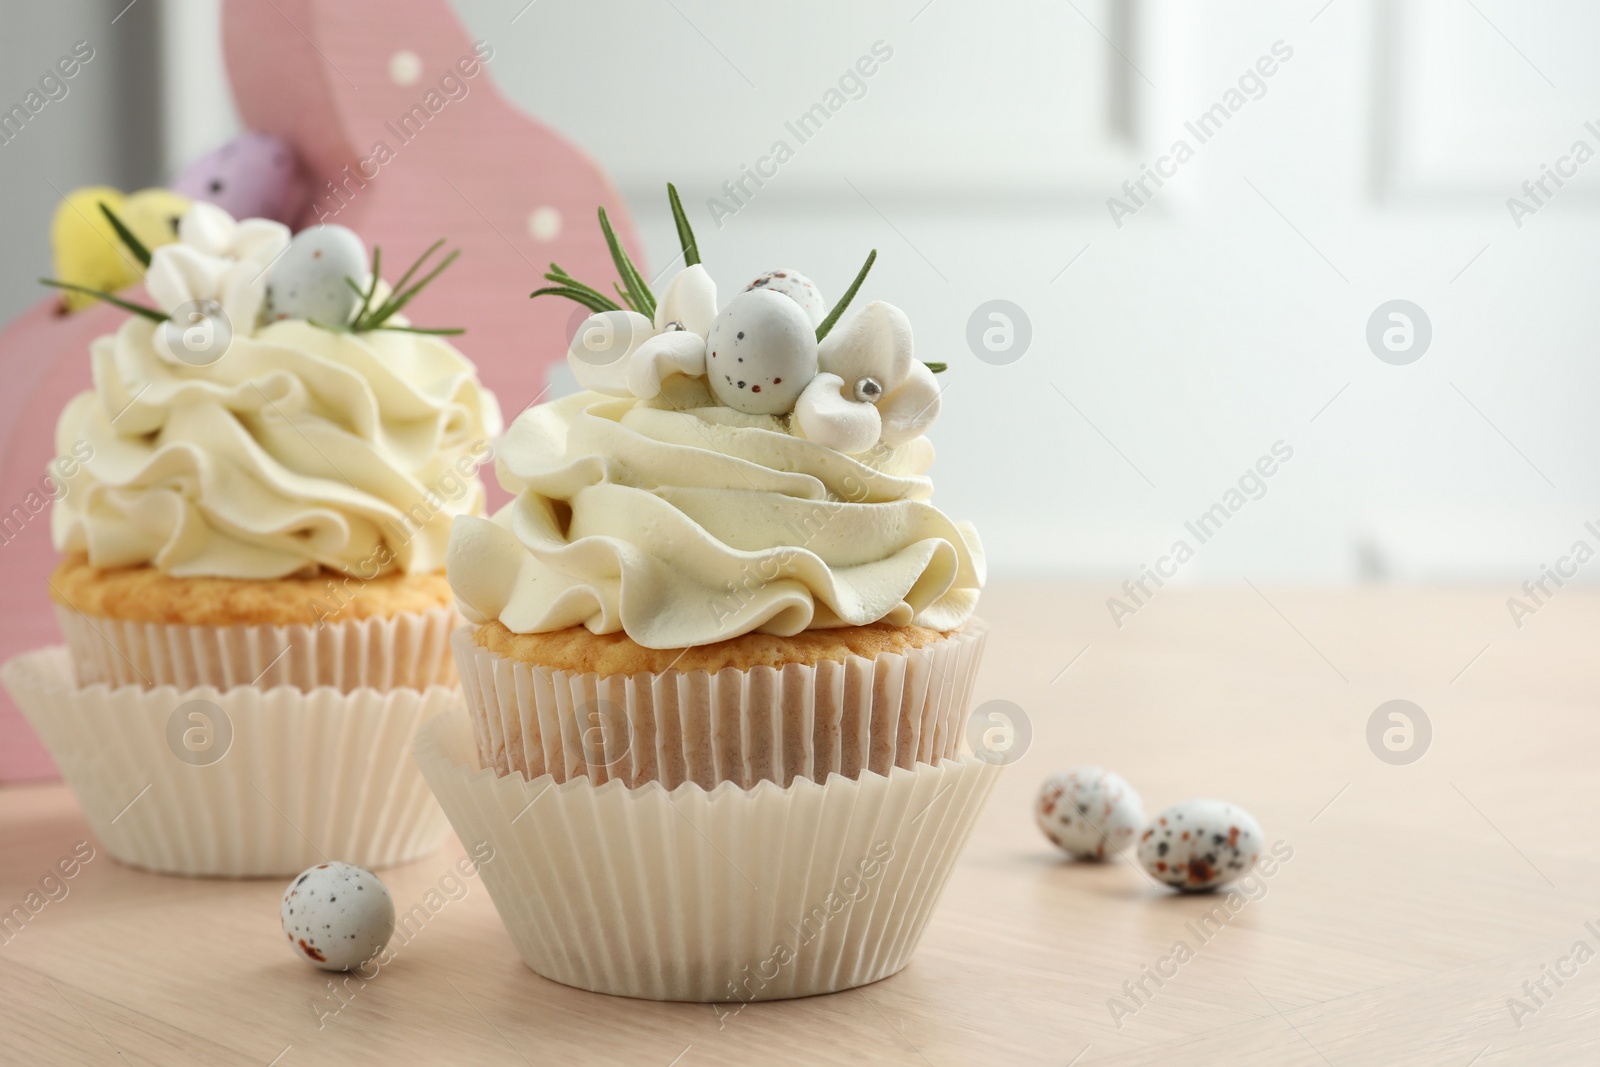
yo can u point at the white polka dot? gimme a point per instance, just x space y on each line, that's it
544 224
405 68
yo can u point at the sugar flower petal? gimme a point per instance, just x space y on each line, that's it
665 354
598 354
208 229
874 343
911 409
823 414
690 299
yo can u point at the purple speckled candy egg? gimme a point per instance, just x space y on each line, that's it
1200 844
253 176
797 287
337 915
1089 812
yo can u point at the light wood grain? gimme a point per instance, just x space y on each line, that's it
1418 898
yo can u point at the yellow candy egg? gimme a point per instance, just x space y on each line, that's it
153 214
85 247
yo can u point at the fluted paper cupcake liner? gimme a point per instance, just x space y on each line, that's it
739 726
727 895
410 650
243 782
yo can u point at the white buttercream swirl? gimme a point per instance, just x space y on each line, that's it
681 522
300 447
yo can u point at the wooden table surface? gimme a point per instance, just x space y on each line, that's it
1418 900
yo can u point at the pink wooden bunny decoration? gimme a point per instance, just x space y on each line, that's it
393 112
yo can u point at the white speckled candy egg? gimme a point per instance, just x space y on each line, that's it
1089 812
797 287
1200 844
337 915
760 353
307 281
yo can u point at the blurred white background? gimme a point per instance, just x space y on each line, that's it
1169 352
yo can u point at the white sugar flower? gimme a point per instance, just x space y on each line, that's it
622 353
217 269
870 388
209 229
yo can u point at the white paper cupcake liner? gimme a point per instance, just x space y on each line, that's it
410 650
727 895
243 782
763 724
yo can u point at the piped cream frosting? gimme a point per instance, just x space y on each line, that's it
681 522
301 447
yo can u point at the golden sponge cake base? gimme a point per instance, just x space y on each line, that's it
145 594
577 650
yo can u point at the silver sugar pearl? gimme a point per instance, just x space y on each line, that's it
674 326
868 391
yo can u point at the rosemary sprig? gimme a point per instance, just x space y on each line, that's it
632 289
411 270
593 301
638 293
827 324
936 368
559 275
571 288
136 246
138 309
372 286
376 319
369 318
691 251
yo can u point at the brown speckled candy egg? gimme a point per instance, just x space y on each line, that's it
797 287
308 280
337 915
1089 812
1200 844
761 351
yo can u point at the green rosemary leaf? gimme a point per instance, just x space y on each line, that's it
396 302
400 285
642 300
561 277
370 318
555 290
691 251
427 279
138 309
136 246
446 331
355 323
937 368
627 298
372 287
593 301
849 295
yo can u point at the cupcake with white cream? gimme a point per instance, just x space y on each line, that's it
722 583
271 459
